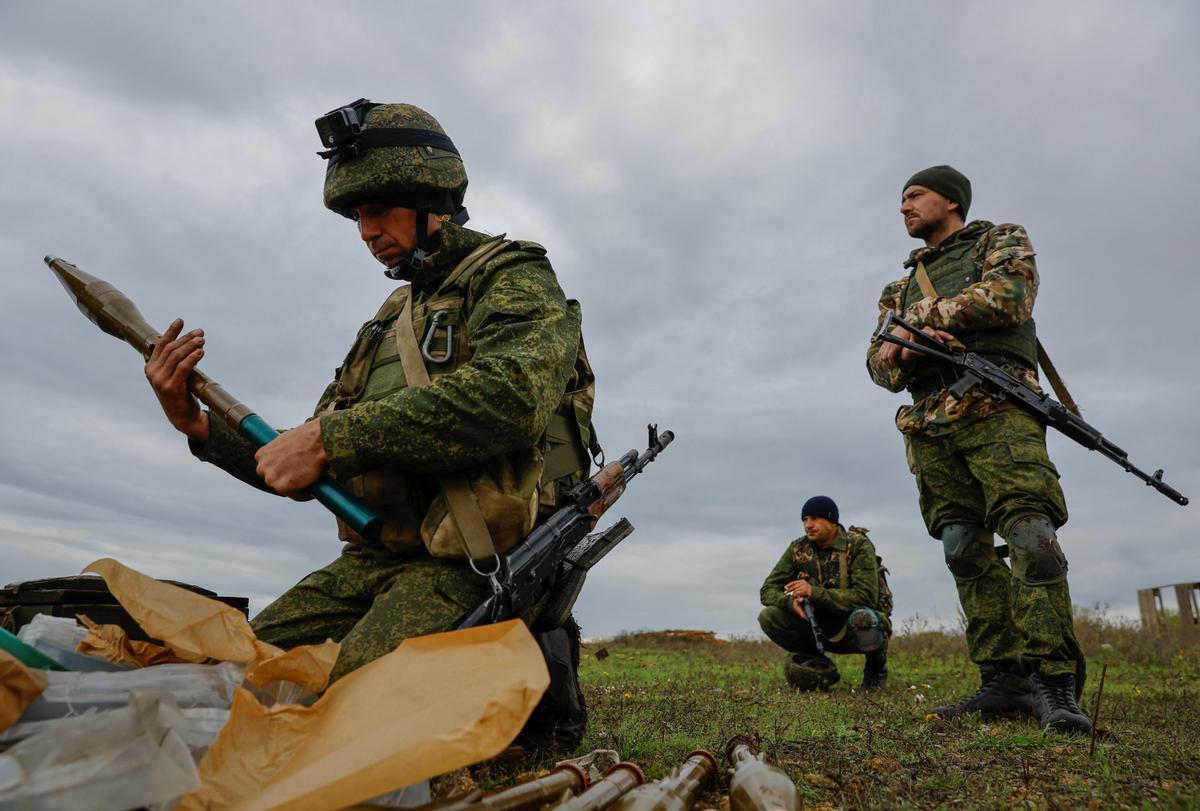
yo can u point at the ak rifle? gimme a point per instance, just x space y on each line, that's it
976 371
548 567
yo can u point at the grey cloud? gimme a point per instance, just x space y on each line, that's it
718 187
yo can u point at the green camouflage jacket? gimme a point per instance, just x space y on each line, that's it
1003 296
524 340
822 568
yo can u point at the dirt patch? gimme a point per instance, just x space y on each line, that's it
689 637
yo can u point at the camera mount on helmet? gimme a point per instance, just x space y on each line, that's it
344 131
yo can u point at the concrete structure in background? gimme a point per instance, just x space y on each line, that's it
1150 604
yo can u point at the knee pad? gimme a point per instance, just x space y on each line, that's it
1037 559
968 550
866 628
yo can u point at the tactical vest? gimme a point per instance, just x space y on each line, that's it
512 489
804 551
951 271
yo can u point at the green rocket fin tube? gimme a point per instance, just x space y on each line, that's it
361 518
26 655
112 311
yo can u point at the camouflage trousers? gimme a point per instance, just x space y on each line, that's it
371 600
994 476
787 630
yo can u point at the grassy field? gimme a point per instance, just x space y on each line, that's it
654 698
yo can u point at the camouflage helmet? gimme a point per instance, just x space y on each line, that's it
809 673
390 153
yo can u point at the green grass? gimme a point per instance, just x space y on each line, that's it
653 700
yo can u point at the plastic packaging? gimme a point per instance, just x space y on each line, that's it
203 726
129 757
26 655
59 638
187 686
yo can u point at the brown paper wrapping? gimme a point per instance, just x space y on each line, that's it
307 665
194 626
19 685
112 643
435 704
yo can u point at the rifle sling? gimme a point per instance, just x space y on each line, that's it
843 557
1052 376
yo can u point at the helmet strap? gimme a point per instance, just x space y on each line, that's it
406 267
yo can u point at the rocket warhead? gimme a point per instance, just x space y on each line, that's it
757 785
105 306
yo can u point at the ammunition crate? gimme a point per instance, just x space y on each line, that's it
81 594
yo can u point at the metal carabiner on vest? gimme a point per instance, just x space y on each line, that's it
493 578
435 321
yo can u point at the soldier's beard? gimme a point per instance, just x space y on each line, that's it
919 228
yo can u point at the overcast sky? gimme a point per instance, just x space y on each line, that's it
717 183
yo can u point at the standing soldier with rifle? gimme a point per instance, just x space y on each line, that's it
461 412
980 463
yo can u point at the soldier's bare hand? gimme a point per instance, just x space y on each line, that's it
889 354
171 363
907 355
799 589
798 609
293 462
893 354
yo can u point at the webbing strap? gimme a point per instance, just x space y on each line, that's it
393 304
843 556
477 540
473 262
1056 382
924 282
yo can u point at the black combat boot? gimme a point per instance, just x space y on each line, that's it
1001 692
1055 706
874 675
559 721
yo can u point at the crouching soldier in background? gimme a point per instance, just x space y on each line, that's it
828 593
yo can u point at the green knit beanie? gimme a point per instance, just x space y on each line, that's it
946 181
